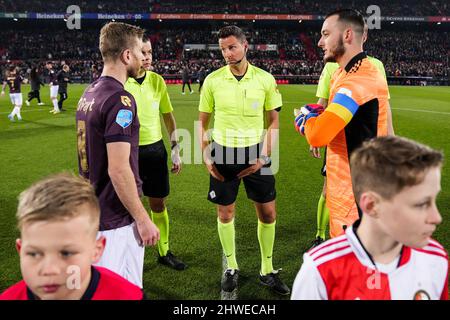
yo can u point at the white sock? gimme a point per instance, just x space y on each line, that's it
13 112
18 112
55 105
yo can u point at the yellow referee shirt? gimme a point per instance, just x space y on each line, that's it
239 106
151 99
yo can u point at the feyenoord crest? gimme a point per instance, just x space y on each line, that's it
421 295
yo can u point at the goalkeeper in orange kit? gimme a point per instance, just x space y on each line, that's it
357 110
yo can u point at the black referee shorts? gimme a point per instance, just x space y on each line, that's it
153 170
260 188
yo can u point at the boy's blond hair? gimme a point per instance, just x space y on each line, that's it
386 165
115 37
58 197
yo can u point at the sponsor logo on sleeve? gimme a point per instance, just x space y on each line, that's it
345 91
126 101
124 118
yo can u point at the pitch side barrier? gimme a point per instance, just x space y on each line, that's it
311 79
314 79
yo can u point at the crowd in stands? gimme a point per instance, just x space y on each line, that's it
388 7
404 53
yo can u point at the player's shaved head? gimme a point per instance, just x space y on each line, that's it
115 37
349 18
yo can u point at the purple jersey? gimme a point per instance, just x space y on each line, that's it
106 113
14 83
53 77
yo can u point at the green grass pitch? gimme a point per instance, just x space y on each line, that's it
44 143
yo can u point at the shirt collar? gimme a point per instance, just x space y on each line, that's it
133 80
247 75
363 255
354 60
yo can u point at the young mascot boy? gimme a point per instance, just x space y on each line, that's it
388 253
58 218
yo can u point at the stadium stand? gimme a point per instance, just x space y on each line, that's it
287 49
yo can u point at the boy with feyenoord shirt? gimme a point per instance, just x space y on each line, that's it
58 221
388 253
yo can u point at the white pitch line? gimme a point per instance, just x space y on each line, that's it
22 111
420 110
401 109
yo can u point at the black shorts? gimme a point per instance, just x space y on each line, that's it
259 187
153 170
63 95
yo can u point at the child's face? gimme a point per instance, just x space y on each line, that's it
56 256
411 216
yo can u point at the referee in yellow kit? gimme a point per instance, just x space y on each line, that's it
242 97
150 92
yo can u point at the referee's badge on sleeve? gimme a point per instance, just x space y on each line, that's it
124 118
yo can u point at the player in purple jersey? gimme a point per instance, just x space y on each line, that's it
54 86
14 82
108 145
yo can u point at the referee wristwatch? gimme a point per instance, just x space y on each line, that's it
265 160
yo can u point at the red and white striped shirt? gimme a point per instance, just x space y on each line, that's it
342 269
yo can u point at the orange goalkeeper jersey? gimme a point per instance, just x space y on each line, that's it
356 111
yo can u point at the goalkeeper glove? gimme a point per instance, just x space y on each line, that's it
306 112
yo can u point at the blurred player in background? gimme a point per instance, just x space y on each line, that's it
95 73
14 82
36 83
201 78
63 77
186 77
150 92
54 86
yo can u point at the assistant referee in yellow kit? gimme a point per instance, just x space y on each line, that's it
241 96
150 92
